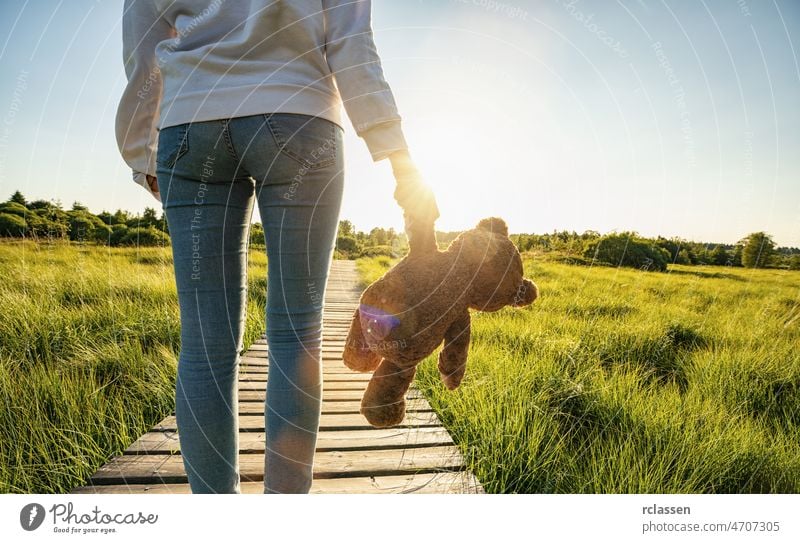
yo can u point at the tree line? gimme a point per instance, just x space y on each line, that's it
45 220
48 220
756 250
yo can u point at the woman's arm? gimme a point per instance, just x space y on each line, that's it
356 67
138 110
369 102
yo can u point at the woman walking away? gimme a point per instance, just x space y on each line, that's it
232 104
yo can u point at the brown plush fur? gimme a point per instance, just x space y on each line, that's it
425 299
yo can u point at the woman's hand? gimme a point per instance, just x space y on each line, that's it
153 182
413 195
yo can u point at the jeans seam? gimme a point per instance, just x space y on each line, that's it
226 134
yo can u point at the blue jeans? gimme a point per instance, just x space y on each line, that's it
210 174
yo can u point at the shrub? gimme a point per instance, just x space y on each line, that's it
83 226
144 237
118 232
378 250
627 249
347 246
14 208
12 225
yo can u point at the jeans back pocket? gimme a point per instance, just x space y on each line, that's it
311 141
173 143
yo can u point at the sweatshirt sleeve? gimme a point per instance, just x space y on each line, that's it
138 111
356 67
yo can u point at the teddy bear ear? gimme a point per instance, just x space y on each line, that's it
495 225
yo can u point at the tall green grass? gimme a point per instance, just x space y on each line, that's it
89 338
624 381
372 268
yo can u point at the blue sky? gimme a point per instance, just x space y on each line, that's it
672 118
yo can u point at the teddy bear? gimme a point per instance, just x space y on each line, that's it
424 300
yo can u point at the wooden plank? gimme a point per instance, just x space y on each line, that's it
327 385
446 482
327 395
328 362
343 440
255 376
334 370
335 365
326 355
338 421
353 406
262 353
142 469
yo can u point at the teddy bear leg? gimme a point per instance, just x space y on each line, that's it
384 400
453 357
357 354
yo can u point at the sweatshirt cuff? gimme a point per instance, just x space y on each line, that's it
384 139
141 179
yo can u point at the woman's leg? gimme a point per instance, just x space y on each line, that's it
208 216
297 163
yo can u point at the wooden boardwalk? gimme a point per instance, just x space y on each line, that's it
418 456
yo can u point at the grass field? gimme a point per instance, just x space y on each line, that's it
89 338
615 380
624 381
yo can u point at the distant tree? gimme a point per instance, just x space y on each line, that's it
672 246
683 257
702 256
346 229
757 250
521 242
736 258
149 218
257 235
378 236
120 217
77 206
18 198
106 217
719 256
50 209
162 222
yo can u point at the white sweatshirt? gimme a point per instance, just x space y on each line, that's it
191 61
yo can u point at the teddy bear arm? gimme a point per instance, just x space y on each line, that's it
453 356
357 355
